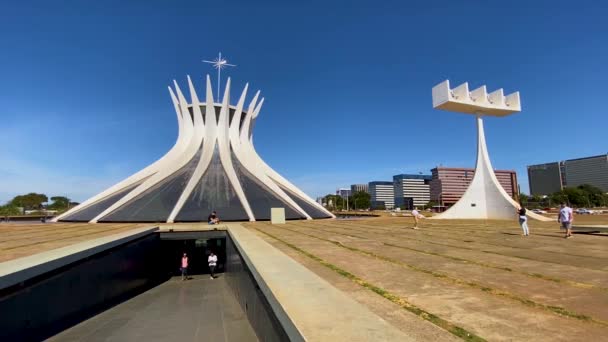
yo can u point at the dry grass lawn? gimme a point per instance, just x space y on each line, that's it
19 240
449 280
472 280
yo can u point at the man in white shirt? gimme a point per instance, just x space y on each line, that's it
212 260
416 215
565 218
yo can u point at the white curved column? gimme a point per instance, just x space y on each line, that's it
263 168
183 136
248 160
485 198
224 149
209 141
234 125
196 127
277 177
244 131
204 134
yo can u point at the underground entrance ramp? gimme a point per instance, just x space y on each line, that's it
199 309
118 288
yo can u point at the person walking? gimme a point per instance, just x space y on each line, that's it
416 215
184 267
212 260
565 218
523 220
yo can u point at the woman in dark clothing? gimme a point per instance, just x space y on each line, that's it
523 220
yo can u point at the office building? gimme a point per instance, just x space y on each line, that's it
382 195
545 179
359 187
411 190
589 170
343 192
448 184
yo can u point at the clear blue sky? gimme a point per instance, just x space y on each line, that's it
84 101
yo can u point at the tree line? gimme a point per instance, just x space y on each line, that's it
35 201
358 200
584 195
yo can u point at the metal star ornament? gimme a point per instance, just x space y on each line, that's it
219 63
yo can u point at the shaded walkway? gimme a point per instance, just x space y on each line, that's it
199 309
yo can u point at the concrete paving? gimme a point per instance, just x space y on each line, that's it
590 228
308 307
441 282
199 309
480 276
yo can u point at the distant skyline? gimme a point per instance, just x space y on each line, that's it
347 85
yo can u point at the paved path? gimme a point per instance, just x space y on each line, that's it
464 277
199 309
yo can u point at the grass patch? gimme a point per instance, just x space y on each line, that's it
555 309
442 323
507 269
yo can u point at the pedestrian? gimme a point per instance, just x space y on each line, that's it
213 218
417 216
523 220
565 218
184 267
212 260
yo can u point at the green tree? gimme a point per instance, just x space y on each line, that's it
557 198
29 201
599 200
523 199
9 210
590 189
360 200
334 202
576 197
595 195
59 202
584 195
380 207
430 205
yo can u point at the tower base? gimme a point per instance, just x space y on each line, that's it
485 198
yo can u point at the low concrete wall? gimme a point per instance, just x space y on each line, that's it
307 307
250 297
590 228
68 285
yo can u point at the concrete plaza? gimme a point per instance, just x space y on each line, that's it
478 280
449 280
199 309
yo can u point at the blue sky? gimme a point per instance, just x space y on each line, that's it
84 101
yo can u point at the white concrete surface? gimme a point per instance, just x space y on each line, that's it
477 101
200 131
277 215
308 307
485 198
